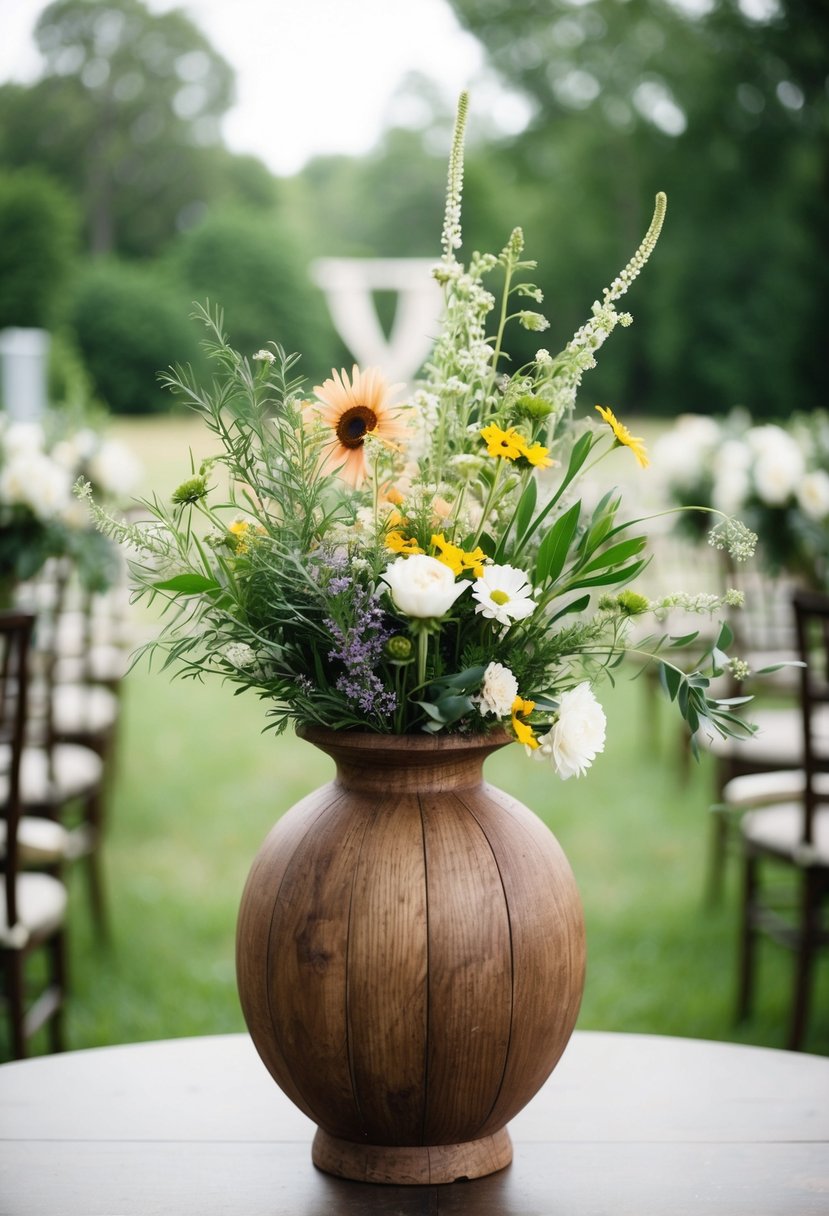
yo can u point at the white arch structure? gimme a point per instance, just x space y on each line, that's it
348 284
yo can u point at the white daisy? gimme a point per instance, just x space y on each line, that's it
504 594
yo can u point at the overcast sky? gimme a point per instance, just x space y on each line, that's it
312 76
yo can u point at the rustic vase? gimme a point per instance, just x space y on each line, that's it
410 958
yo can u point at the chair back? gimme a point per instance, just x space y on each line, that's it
811 613
15 641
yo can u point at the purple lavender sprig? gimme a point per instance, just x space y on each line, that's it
359 647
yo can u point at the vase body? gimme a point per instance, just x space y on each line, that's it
410 958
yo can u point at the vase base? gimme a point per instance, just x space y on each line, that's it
412 1165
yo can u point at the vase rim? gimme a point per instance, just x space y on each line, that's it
424 743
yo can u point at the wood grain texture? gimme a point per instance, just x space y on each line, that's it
411 955
427 1165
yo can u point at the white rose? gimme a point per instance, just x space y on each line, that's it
578 734
498 691
422 586
813 494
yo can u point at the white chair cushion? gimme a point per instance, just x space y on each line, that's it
778 739
41 909
101 665
76 770
763 789
40 841
780 828
83 707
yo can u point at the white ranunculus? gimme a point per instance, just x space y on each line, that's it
30 479
498 691
577 736
421 586
813 494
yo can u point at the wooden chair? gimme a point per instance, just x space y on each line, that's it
785 824
764 636
32 905
70 750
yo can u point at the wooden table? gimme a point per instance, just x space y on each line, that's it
628 1125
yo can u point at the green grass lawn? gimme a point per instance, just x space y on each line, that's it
199 786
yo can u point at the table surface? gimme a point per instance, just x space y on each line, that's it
627 1125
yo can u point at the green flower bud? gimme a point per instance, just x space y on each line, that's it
190 491
632 603
398 648
530 406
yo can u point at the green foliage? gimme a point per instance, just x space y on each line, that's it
729 115
128 322
38 239
253 264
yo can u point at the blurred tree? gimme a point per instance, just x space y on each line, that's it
722 103
38 244
129 321
126 115
254 267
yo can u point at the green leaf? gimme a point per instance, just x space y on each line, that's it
188 584
578 605
610 576
616 554
726 636
671 680
525 508
553 550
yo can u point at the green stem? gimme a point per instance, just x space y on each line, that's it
422 651
490 498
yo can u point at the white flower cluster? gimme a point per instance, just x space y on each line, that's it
30 478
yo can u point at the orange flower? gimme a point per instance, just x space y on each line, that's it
355 409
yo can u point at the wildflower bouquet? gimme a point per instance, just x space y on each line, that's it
776 477
424 565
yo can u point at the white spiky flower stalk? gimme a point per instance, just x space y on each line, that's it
451 237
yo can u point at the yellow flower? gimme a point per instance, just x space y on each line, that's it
240 531
503 443
456 558
537 455
523 732
355 409
624 437
397 542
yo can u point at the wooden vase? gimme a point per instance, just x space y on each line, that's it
410 958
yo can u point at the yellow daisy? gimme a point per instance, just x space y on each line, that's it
624 437
397 542
503 443
355 409
537 455
458 559
523 732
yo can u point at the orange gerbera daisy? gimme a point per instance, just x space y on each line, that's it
355 409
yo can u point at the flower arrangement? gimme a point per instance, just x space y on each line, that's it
775 477
40 518
417 565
